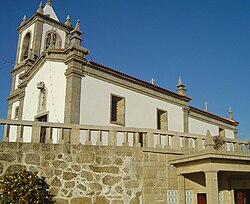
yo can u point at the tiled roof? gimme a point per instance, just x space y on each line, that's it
214 115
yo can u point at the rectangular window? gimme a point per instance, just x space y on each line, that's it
117 115
16 112
162 120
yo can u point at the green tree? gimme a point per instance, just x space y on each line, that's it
24 188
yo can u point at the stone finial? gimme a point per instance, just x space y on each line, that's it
77 28
24 20
181 88
209 143
68 23
206 106
230 111
152 81
49 3
40 9
76 39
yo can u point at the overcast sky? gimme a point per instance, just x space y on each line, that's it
205 42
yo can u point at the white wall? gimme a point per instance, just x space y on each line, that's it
140 110
17 82
229 134
52 74
46 28
23 34
200 127
13 129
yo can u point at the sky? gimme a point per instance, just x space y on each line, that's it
205 42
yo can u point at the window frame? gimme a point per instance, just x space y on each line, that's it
120 114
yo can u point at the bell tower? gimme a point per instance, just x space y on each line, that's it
41 33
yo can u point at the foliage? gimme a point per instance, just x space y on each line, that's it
24 187
218 142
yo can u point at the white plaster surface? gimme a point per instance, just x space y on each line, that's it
140 110
23 34
200 127
17 79
13 129
48 10
52 74
229 134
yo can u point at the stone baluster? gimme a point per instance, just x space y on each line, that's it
159 145
198 144
61 136
149 140
36 131
112 137
99 138
125 143
237 147
136 139
75 136
49 132
176 142
88 138
6 132
168 142
19 133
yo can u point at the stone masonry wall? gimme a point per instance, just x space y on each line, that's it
91 174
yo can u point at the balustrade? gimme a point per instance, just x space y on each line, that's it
158 140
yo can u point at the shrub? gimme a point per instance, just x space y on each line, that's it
24 188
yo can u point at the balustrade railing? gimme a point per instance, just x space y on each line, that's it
158 140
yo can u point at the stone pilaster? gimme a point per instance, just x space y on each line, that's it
186 111
73 75
37 39
212 187
18 47
181 188
21 103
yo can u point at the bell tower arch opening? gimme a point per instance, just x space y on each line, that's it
26 46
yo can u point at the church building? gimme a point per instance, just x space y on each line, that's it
67 99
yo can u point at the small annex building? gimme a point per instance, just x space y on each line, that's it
58 97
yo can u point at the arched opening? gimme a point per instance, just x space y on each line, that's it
26 46
53 40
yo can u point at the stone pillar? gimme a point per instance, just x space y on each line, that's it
212 187
21 103
181 188
185 110
73 92
37 39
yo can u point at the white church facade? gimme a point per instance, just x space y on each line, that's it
54 83
52 79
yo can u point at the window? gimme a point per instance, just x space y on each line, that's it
16 112
162 120
117 115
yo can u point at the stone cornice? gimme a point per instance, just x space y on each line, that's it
212 118
211 155
45 19
125 81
